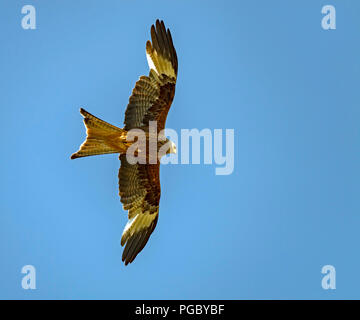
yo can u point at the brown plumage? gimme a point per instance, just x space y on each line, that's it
139 184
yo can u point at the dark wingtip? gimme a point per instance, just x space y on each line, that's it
83 112
73 156
126 261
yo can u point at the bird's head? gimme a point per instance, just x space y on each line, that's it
166 146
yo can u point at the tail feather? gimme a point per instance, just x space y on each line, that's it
98 140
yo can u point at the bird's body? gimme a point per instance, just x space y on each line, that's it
149 103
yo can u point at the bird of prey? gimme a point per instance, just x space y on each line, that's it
139 183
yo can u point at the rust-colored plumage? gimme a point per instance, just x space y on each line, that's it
139 184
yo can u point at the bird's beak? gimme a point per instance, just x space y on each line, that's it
173 148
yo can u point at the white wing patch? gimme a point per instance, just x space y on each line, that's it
151 63
137 223
158 63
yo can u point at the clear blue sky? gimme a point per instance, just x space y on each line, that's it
264 68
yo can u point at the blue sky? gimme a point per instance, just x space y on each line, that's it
266 69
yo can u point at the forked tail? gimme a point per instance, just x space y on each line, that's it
102 137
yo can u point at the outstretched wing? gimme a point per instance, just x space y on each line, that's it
152 96
139 190
139 184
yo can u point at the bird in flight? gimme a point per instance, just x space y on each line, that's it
150 101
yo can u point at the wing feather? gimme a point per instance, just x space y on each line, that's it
139 190
152 95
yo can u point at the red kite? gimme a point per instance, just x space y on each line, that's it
139 184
